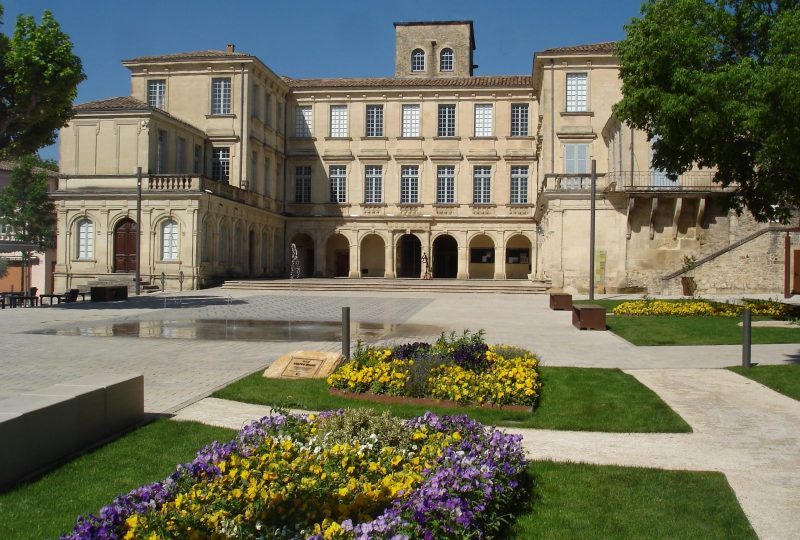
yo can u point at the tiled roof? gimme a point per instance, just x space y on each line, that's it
185 56
126 103
491 81
590 48
9 166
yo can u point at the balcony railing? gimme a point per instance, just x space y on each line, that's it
658 181
571 182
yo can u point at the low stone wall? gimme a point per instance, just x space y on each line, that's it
40 428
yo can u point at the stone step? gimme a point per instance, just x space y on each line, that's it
389 285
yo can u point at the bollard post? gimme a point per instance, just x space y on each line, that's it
163 281
746 338
346 332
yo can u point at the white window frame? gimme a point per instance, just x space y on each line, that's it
302 184
446 124
409 184
374 120
445 184
84 239
520 113
577 91
482 184
339 121
417 61
157 93
221 164
373 184
484 116
221 94
519 184
410 120
169 240
337 175
576 161
447 63
303 121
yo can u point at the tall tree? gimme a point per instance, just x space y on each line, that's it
717 83
39 78
25 206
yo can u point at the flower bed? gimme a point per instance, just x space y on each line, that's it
769 308
344 474
461 369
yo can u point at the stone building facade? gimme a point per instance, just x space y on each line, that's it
434 171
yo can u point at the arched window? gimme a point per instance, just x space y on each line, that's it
169 240
84 244
237 245
223 244
264 249
418 60
446 60
206 242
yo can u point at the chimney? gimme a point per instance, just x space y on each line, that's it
230 48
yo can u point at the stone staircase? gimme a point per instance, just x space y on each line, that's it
126 280
392 285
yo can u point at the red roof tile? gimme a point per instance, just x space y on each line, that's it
606 47
187 56
515 81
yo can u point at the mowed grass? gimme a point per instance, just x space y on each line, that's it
48 506
577 501
783 378
580 399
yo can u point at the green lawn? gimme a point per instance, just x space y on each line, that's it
48 506
577 501
783 378
582 399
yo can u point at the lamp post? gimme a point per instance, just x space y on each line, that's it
591 228
138 228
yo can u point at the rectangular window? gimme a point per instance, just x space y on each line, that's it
221 164
447 121
85 239
267 109
253 178
338 120
576 160
169 241
198 159
577 92
519 185
221 95
373 180
180 155
256 101
482 185
161 152
266 177
302 122
409 184
410 121
483 120
445 184
374 121
338 179
302 184
278 116
519 119
157 93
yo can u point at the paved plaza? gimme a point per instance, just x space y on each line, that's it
740 428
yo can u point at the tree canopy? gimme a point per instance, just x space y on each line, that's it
716 83
24 204
39 78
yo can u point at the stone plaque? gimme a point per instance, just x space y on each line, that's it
304 365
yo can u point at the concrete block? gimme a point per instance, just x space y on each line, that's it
90 410
124 397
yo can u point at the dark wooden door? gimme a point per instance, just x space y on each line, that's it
125 246
796 272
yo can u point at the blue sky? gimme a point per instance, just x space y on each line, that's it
312 38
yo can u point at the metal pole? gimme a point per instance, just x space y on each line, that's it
591 230
138 275
746 335
346 332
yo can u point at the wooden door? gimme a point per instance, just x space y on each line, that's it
796 272
125 246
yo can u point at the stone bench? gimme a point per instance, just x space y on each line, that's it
42 427
588 317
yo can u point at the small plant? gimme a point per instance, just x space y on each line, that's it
408 351
468 350
420 372
354 426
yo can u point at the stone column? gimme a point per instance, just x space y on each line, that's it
499 262
463 262
425 249
388 265
355 271
319 257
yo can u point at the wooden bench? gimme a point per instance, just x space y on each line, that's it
588 317
560 301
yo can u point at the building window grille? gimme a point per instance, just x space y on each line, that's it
221 164
374 121
410 121
302 184
481 185
577 92
338 120
157 93
338 181
373 179
169 240
418 60
446 60
483 120
85 245
445 184
519 120
519 185
221 95
302 122
409 184
447 121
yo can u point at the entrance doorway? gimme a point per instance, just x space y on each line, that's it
337 263
125 246
445 257
409 256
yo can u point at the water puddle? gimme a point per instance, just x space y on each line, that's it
245 330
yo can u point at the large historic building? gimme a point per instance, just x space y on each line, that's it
435 169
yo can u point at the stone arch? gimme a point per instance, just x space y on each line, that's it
409 256
304 243
519 256
444 252
337 255
372 255
481 257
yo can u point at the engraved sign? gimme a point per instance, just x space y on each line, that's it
304 365
302 368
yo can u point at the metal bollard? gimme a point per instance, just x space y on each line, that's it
746 338
346 332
